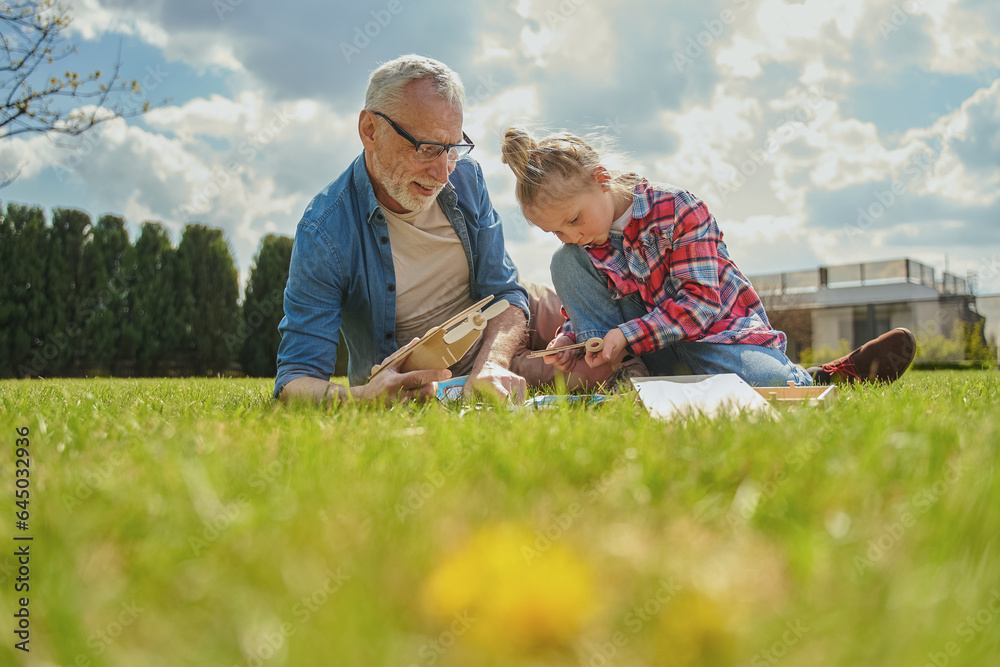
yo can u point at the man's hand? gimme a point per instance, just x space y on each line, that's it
615 349
495 380
388 386
391 385
490 374
564 361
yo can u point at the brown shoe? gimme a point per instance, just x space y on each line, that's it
620 380
881 360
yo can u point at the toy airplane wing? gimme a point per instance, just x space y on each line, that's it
446 343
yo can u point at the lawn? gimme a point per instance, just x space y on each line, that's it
194 522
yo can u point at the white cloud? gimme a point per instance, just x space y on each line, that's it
707 138
736 126
791 28
741 59
532 257
570 35
195 46
964 39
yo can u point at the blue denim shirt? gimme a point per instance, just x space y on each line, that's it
342 276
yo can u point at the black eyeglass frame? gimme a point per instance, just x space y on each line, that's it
417 144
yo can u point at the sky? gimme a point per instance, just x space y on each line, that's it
818 132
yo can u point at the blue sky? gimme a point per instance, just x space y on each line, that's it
791 119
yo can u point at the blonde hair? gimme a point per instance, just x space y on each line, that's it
534 162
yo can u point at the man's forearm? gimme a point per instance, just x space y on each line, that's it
314 389
502 337
388 386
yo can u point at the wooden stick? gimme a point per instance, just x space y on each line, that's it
590 345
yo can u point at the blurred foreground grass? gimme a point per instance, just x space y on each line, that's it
193 522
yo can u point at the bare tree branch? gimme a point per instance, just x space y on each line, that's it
31 42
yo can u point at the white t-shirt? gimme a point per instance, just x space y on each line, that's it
618 226
432 275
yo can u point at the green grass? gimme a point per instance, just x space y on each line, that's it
194 522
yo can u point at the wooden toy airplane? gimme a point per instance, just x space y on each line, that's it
443 345
825 394
590 345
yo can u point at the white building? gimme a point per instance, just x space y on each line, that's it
857 302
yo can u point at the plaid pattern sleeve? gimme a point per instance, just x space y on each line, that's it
567 326
675 258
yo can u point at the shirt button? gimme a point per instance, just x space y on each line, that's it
384 239
392 288
388 336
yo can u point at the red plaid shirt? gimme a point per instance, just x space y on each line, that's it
676 260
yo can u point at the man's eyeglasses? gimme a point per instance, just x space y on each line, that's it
429 150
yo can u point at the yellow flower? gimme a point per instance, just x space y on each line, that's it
694 630
520 590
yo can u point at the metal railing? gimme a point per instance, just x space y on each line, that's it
888 272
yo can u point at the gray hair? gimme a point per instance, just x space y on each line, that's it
385 85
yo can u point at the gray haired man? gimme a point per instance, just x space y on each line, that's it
404 239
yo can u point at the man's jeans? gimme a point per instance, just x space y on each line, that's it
594 311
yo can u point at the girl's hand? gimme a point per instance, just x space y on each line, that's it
615 349
564 361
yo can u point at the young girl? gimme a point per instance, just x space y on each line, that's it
644 267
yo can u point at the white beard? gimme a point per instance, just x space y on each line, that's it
397 184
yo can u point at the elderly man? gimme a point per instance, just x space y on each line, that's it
404 239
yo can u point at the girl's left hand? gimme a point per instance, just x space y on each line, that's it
564 361
615 349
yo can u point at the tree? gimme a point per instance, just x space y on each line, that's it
34 97
101 301
29 352
257 336
67 237
152 321
208 289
